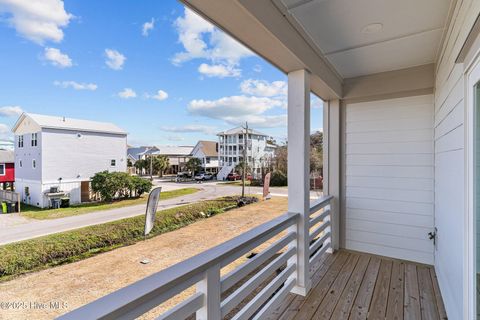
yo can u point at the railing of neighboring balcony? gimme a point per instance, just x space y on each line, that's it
251 290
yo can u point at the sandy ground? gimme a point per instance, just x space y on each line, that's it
49 293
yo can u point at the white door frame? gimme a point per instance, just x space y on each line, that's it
472 77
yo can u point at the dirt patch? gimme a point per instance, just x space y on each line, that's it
76 284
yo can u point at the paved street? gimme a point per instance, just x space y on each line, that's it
15 228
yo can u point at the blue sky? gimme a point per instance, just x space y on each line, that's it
152 67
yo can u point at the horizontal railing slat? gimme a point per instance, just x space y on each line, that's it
254 282
320 217
317 244
243 270
185 308
253 305
313 260
320 203
141 296
319 230
276 300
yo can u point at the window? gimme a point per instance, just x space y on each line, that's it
20 141
113 163
20 163
34 163
207 160
34 140
2 169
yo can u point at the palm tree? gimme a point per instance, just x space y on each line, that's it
160 164
194 165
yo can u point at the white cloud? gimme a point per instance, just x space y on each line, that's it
201 40
37 20
160 95
115 59
264 88
10 111
4 128
76 85
127 93
219 70
257 68
57 58
195 128
147 26
175 138
238 109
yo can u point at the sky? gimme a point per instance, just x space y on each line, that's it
154 68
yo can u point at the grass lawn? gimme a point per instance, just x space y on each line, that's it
235 183
42 214
65 247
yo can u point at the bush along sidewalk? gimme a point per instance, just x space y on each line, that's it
70 246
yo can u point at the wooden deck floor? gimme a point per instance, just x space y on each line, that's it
350 285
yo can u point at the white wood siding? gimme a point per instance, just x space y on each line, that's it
450 159
389 177
77 156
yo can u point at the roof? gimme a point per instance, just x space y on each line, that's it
55 122
239 130
209 148
6 156
135 151
173 150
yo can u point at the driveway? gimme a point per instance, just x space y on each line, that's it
16 228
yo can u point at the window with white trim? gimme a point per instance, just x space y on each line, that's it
20 163
34 139
20 141
2 169
34 163
113 162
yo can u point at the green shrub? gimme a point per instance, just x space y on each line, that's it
111 185
278 179
60 248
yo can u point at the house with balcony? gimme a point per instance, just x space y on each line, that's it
207 153
232 143
396 234
55 157
7 169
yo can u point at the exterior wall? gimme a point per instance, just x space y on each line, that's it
389 177
26 155
450 160
77 156
9 173
257 150
197 153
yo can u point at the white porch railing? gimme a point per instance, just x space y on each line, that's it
262 281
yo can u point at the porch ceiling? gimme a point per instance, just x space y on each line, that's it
372 36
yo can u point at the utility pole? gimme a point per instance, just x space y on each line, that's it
245 138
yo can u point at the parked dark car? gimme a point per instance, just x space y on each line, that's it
233 177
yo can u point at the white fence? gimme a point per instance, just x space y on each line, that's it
250 291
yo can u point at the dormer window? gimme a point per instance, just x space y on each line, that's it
34 139
20 141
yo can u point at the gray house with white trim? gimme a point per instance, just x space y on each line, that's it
57 156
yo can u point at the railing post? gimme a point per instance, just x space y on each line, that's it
331 165
211 289
299 172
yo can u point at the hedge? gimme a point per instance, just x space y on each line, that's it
60 248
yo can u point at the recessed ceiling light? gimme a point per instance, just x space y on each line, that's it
372 28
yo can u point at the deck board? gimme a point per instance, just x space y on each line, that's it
355 286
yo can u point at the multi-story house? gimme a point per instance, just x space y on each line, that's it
55 157
207 152
232 142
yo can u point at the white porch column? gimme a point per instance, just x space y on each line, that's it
331 164
299 170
